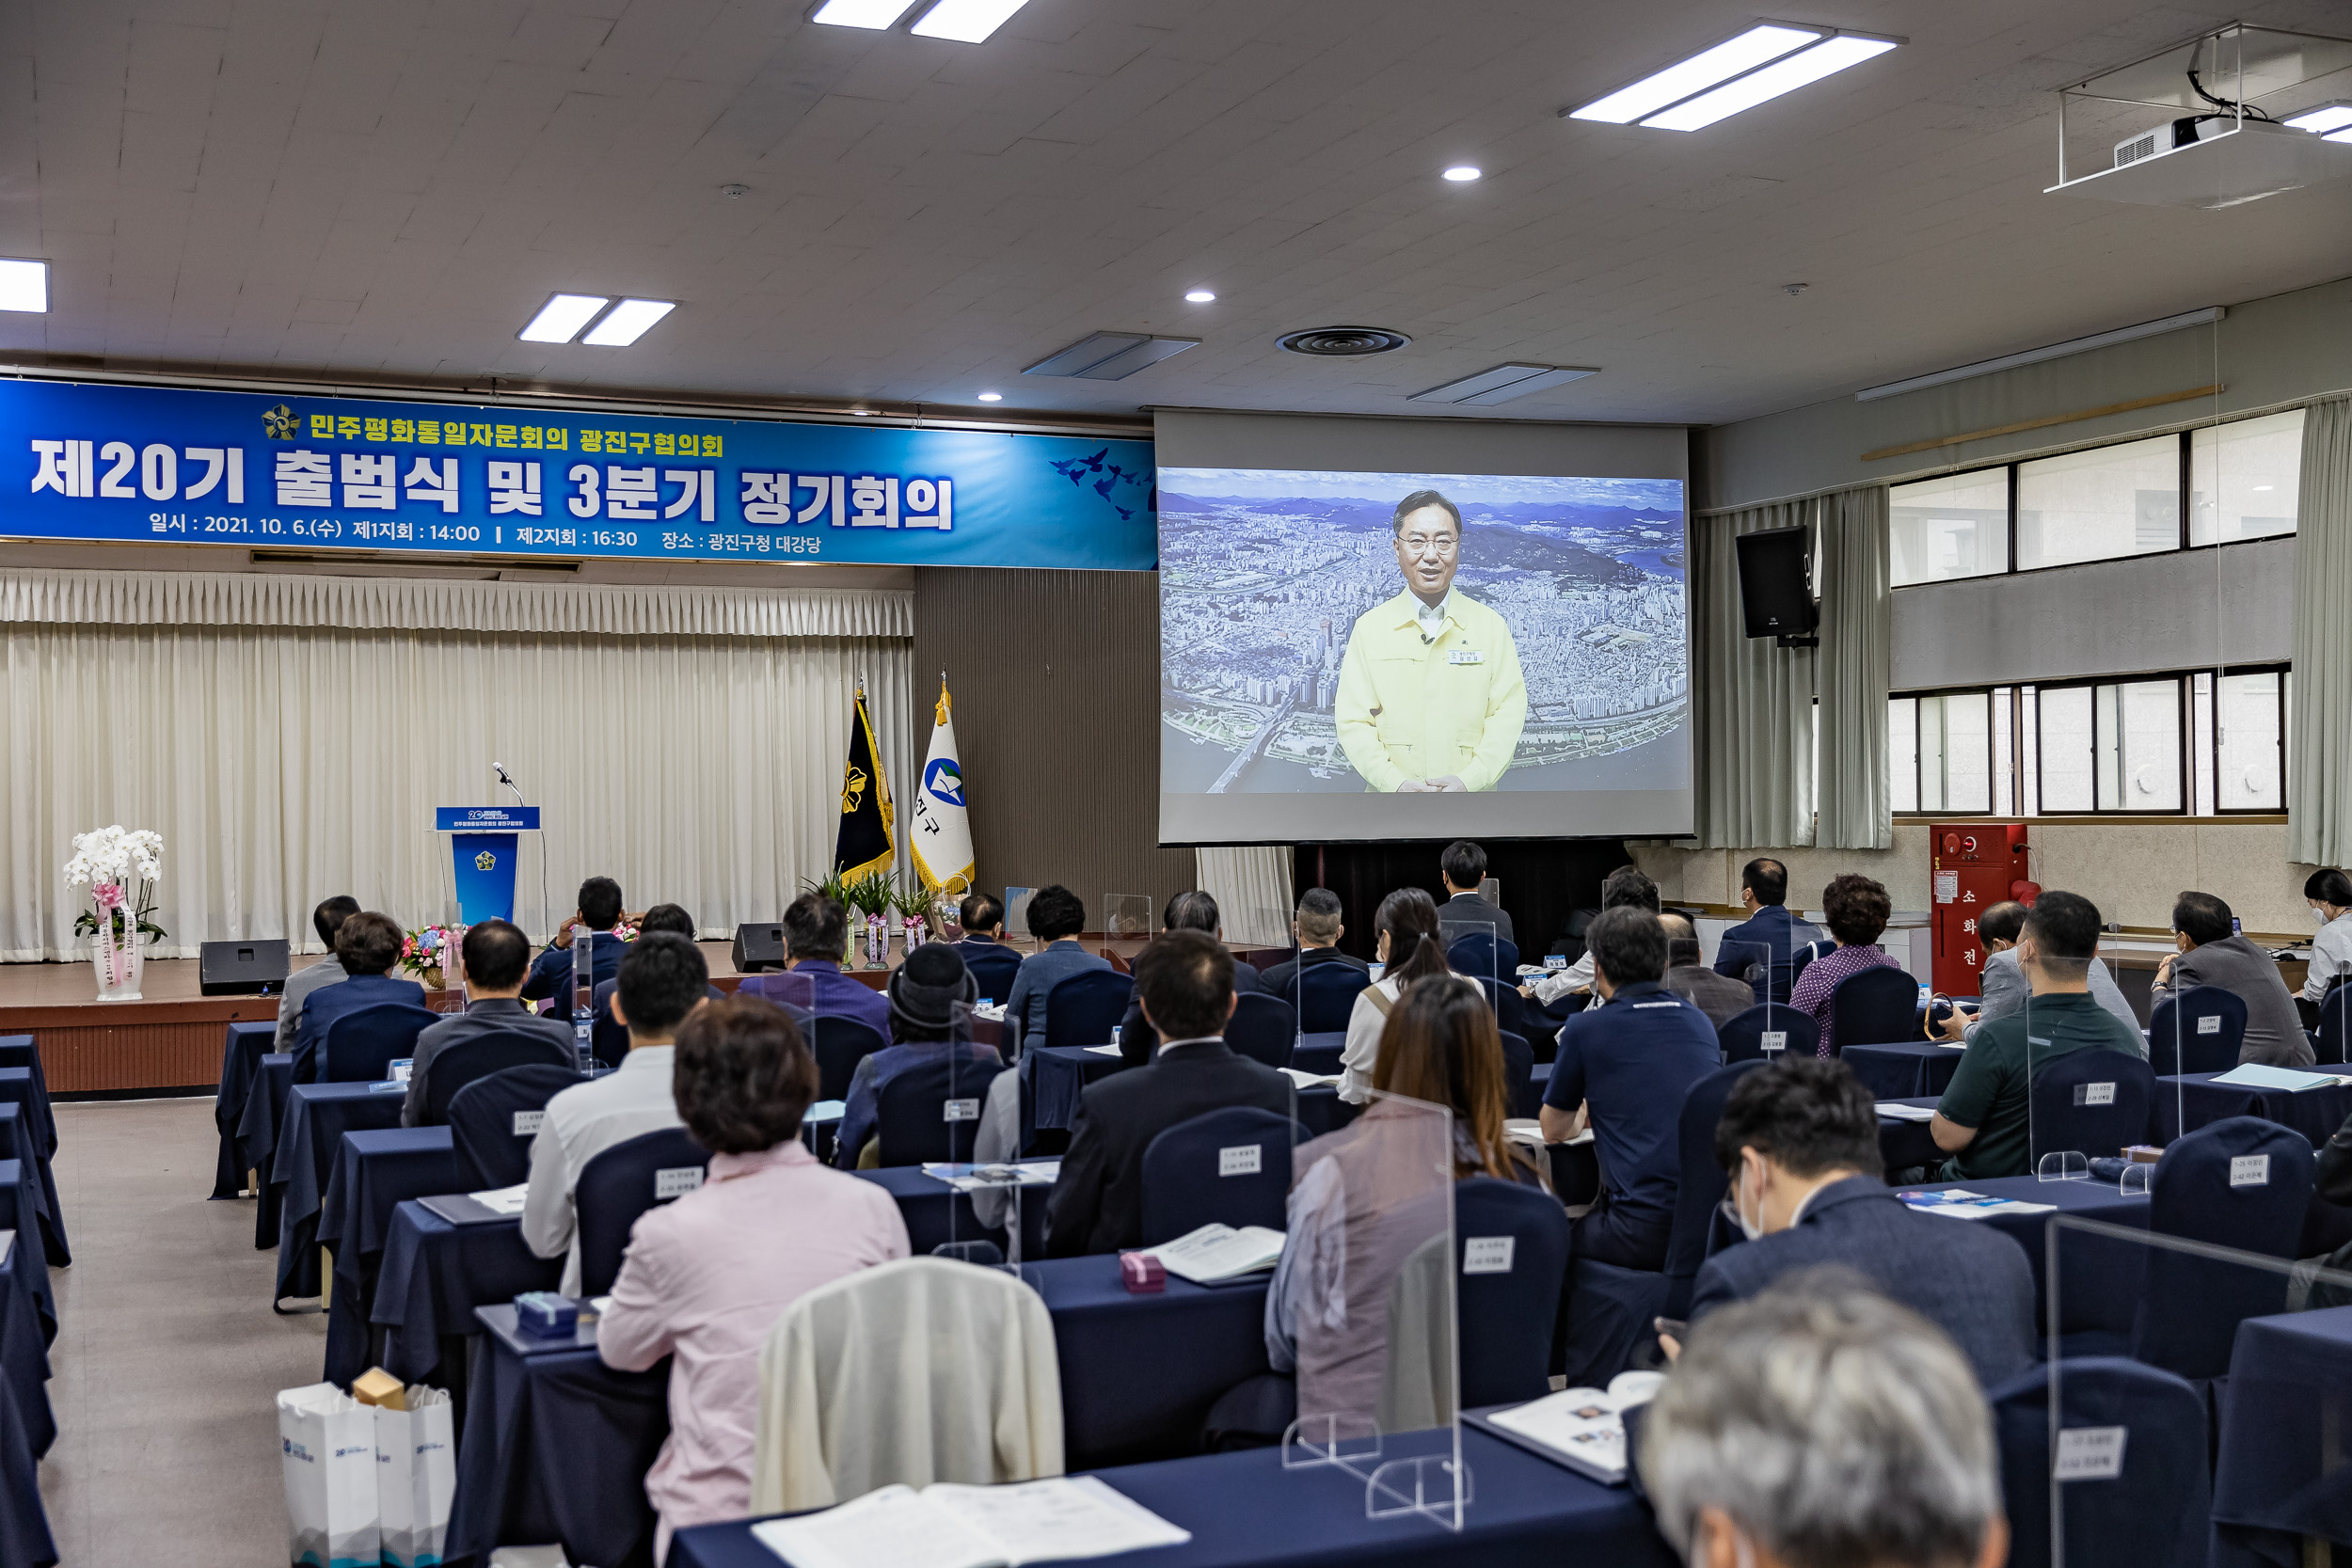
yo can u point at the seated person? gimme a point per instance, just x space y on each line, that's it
326 919
1857 909
815 935
662 980
2002 984
1406 941
1186 978
662 917
1055 918
2211 954
600 913
983 921
1462 871
1187 912
1769 932
495 956
1800 1141
1625 888
1719 996
705 1277
1822 1426
2330 895
1984 1122
367 944
925 994
1318 929
1624 1067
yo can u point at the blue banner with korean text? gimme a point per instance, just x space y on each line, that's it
146 463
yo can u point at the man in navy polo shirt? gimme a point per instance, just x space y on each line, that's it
1764 890
1625 1067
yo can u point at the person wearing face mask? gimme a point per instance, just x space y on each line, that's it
1798 1143
2329 893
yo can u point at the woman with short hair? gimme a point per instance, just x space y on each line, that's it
1857 910
2330 895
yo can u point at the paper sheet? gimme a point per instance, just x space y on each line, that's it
507 1201
1306 1080
826 1110
1906 1113
2254 1075
972 1179
970 1527
1217 1252
1103 1050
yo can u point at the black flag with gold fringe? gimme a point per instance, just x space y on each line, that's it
864 844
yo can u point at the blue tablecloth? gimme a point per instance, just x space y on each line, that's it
2099 1277
21 1141
1319 1054
317 1117
257 1139
1245 1510
373 1173
2315 1113
18 1088
240 1064
25 1428
20 1208
2283 1472
1904 1070
21 1051
1191 1342
1906 1144
1053 1077
24 1349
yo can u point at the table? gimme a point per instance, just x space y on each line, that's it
317 1117
19 1210
1054 1076
26 1427
1906 1144
30 1100
1319 1054
2193 1099
21 1051
1244 1508
21 1141
240 1064
374 1172
2283 1473
1903 1070
2099 1277
257 1138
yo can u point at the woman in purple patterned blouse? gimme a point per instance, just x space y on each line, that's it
1858 910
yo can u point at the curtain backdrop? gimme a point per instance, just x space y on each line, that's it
2319 729
287 761
1252 889
1857 650
1753 698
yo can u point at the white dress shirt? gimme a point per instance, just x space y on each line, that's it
1366 1023
2331 956
583 1122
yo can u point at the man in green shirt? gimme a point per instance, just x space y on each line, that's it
1983 1122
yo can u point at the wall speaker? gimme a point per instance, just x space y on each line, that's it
759 947
1776 583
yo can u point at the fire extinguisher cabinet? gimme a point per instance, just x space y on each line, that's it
1971 867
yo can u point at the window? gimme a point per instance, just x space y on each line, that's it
2100 504
2250 742
1954 527
2243 479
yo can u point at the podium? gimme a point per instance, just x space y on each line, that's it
483 845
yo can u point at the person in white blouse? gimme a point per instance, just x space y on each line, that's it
2329 893
1409 947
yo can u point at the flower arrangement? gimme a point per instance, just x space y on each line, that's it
422 952
912 902
108 861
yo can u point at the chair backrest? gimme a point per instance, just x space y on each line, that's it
839 1044
2093 1102
2335 1025
932 1110
1327 995
623 1182
1877 1006
1521 1097
992 969
2207 1022
1700 1184
608 1038
493 1119
1262 1028
486 1053
2157 1509
1799 955
1506 1297
1231 1166
1742 1034
1481 955
2242 1183
1085 1007
362 1045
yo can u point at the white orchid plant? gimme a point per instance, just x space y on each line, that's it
109 862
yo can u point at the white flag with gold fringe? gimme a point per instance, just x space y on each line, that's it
942 840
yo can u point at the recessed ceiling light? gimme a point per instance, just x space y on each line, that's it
1463 173
1767 41
863 413
861 13
561 318
2320 121
1826 58
991 397
24 286
2266 487
628 321
965 20
1200 296
2342 136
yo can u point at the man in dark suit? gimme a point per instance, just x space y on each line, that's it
983 950
600 913
1758 949
1185 980
1188 911
1462 868
495 955
674 919
1799 1140
366 945
1318 927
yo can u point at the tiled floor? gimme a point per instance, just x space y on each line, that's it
167 1354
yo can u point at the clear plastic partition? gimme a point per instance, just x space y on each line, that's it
1017 918
583 997
1363 1304
985 1111
1127 926
452 971
1765 1029
1473 949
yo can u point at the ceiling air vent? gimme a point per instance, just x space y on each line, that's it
1343 342
1110 355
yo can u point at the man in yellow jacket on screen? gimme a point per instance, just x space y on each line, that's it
1430 696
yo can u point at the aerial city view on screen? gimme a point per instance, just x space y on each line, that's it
1266 574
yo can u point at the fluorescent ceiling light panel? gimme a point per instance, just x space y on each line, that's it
24 286
628 321
965 20
1766 41
1802 68
561 318
2036 355
1110 355
1558 375
1503 383
2343 135
2321 120
862 14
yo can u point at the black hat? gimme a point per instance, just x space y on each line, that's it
924 988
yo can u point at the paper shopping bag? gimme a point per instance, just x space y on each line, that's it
327 1440
416 1474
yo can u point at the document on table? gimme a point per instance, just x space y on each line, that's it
993 1011
1960 1203
947 1526
1102 1049
1901 1112
972 1179
1218 1252
504 1201
2254 1075
826 1110
1306 1080
1580 1428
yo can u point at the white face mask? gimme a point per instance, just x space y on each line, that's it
2319 915
1750 1228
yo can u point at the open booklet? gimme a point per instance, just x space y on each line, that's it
946 1525
1960 1203
1216 1253
972 1179
1580 1428
499 1203
2256 1075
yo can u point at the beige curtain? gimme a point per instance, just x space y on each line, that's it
1856 808
2319 728
1753 698
1252 889
288 760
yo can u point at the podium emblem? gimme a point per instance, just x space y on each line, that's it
486 862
